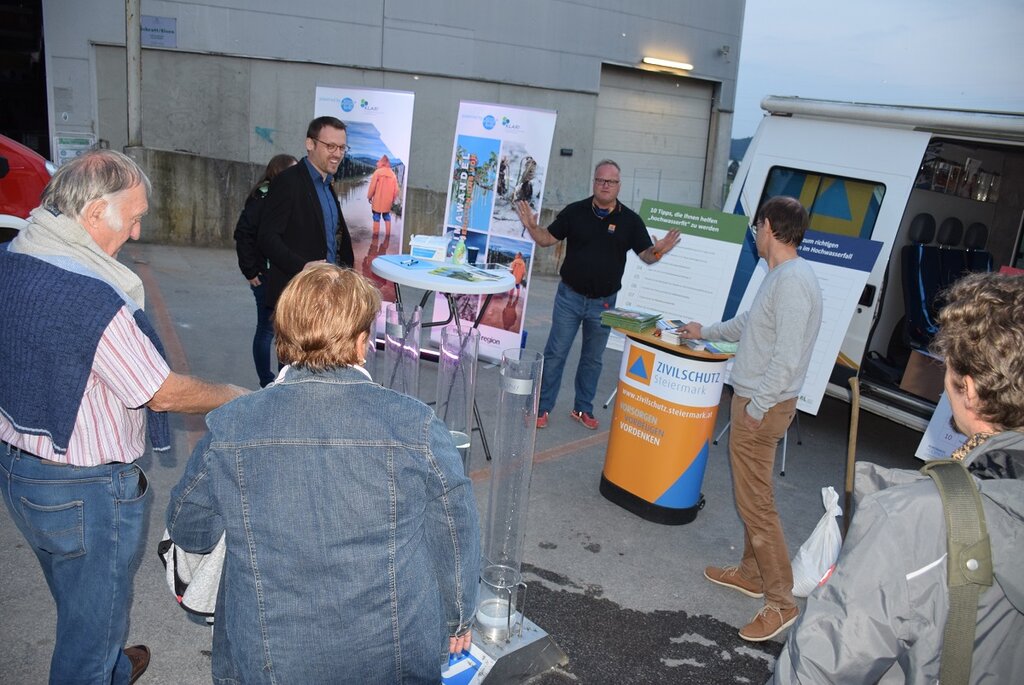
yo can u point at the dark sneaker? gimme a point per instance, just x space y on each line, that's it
730 577
768 623
542 420
139 656
586 419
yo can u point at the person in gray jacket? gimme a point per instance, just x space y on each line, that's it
886 604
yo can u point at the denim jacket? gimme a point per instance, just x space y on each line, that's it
353 542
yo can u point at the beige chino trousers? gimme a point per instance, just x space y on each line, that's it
752 456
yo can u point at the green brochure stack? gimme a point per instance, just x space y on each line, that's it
632 320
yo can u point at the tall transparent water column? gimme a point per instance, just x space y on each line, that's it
497 614
456 384
402 349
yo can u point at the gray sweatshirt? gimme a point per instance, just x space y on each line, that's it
776 336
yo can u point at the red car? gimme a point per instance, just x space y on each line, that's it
23 175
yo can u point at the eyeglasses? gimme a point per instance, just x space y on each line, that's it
603 182
753 228
331 147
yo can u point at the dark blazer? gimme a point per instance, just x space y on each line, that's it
291 231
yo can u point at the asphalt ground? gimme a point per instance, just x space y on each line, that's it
623 597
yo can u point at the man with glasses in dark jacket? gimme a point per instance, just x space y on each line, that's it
302 221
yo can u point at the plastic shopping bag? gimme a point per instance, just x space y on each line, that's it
816 558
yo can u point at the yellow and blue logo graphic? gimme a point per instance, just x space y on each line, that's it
641 365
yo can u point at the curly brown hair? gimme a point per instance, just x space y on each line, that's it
981 335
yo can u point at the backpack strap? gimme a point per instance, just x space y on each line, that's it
968 565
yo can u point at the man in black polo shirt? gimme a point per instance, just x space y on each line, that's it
599 231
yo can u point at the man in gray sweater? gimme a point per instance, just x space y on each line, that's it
776 337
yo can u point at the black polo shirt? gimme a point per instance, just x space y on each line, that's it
595 247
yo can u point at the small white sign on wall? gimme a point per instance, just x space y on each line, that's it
159 32
67 146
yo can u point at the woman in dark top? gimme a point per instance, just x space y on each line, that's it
252 263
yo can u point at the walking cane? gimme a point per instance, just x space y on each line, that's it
851 452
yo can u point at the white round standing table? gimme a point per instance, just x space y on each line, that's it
413 272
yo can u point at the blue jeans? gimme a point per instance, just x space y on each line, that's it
570 311
263 339
85 525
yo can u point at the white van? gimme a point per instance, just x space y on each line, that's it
919 180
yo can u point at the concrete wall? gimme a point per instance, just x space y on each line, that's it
556 44
213 106
182 125
243 67
196 200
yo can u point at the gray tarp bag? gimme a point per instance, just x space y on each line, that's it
193 578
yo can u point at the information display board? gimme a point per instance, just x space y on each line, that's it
499 157
379 134
688 283
939 439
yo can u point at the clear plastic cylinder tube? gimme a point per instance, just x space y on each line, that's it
511 470
402 349
456 384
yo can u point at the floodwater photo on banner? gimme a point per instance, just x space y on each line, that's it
372 179
500 156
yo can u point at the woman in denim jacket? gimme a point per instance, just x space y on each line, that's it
353 540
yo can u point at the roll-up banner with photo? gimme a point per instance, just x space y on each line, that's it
379 127
500 156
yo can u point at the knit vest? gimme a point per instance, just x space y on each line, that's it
51 322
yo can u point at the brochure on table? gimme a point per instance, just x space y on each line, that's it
379 122
500 155
687 283
440 276
842 265
469 668
939 439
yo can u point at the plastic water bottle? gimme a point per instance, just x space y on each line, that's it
459 253
453 243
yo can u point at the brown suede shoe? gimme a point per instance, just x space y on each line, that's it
768 623
730 577
139 656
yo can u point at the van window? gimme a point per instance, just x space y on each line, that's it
836 204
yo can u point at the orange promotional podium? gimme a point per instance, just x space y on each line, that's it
664 418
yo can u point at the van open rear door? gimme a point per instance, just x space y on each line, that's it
854 178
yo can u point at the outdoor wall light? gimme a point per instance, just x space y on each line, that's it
658 62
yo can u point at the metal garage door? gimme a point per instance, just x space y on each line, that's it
656 127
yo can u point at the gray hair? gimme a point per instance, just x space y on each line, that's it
97 174
607 162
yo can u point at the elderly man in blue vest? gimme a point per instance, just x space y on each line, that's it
84 380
